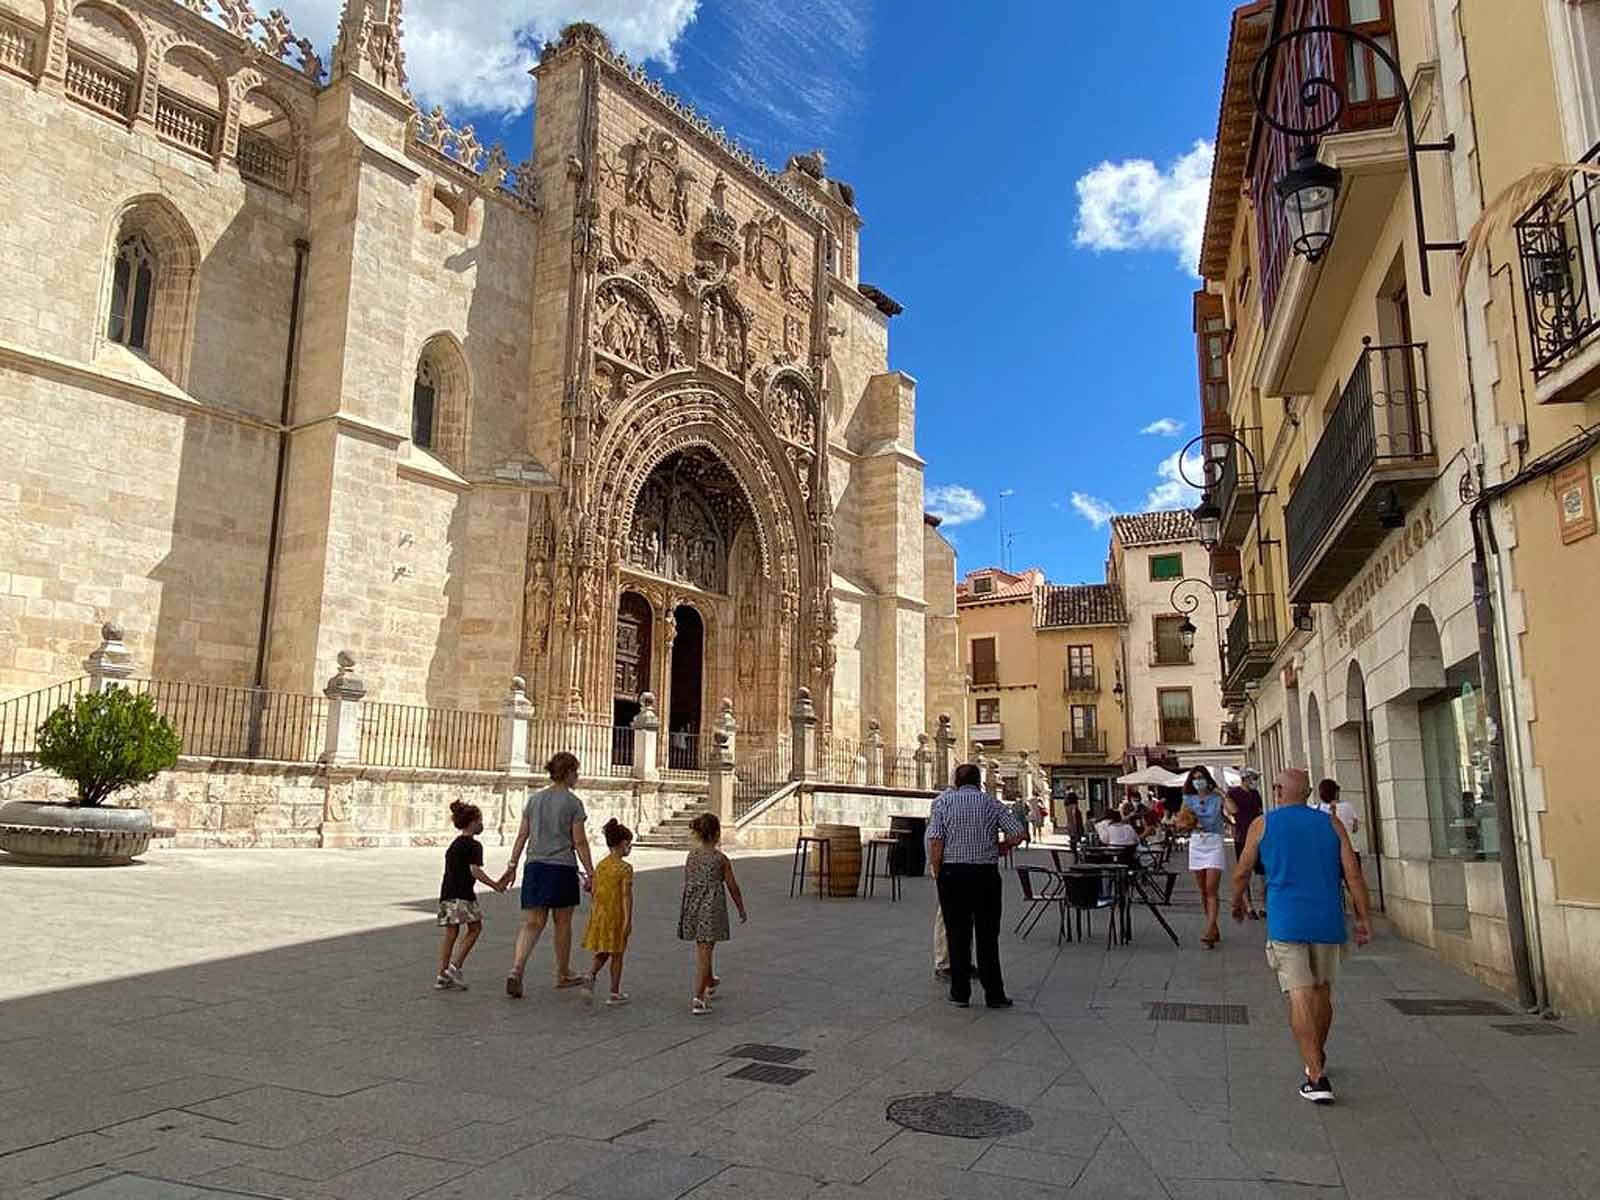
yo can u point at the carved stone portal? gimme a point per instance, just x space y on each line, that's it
685 520
628 326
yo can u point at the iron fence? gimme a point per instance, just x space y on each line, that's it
765 762
20 718
602 749
841 760
899 768
222 721
1558 244
445 739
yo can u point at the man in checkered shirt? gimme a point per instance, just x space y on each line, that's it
966 829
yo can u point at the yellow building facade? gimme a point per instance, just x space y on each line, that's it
1402 467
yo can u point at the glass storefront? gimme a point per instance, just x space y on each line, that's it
1455 760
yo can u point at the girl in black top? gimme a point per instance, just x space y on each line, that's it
458 902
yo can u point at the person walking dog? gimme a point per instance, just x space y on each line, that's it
967 829
1306 853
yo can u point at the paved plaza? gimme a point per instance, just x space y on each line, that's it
215 1023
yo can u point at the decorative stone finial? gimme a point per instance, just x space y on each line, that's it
345 659
344 685
922 741
519 684
111 632
370 44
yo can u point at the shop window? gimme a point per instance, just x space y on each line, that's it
1455 763
1166 566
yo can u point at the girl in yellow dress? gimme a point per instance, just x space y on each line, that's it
611 916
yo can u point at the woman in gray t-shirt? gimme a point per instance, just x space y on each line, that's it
552 830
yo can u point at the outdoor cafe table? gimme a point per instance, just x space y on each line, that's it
1131 883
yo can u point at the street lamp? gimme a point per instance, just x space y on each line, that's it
1187 603
1207 516
1186 632
1208 521
1309 188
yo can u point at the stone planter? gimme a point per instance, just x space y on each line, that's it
66 835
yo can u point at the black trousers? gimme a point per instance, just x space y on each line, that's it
969 895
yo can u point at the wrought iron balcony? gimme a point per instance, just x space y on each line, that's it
1170 654
1558 243
1235 485
1083 745
1081 681
1178 731
1232 733
1374 459
1252 640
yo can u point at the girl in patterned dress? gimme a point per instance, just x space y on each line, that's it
708 881
458 901
611 916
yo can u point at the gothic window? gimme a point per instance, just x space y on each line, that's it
423 393
132 285
151 282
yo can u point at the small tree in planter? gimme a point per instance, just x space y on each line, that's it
107 741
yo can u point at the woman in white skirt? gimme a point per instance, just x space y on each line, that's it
1207 856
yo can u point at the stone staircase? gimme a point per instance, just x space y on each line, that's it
673 833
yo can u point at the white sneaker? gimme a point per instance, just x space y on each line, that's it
454 975
616 999
698 1007
443 983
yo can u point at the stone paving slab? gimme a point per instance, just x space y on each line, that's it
263 1024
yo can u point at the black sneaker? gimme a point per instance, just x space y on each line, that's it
960 1003
1003 1002
1320 1092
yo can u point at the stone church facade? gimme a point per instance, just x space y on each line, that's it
290 367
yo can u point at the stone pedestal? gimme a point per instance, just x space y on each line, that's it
646 732
944 741
109 665
924 760
803 725
874 754
516 714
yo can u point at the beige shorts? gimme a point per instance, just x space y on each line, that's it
1306 964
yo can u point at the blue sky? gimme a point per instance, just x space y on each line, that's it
1032 189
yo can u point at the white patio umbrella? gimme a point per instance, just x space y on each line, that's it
1152 777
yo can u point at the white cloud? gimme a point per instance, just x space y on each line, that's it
1134 205
1093 510
1173 491
954 504
1165 427
474 55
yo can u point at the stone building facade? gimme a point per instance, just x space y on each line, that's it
291 366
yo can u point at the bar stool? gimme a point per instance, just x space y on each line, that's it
802 850
869 877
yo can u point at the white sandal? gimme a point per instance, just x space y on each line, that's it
698 1007
616 998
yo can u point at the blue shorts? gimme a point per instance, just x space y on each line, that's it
549 885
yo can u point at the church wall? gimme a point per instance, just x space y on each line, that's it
166 535
945 683
858 353
854 697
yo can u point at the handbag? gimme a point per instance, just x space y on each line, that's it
1187 820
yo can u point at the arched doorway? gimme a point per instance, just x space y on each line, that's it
1314 739
687 690
1356 772
635 630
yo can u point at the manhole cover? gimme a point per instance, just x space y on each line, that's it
958 1116
765 1053
1449 1008
1200 1014
767 1073
1542 1030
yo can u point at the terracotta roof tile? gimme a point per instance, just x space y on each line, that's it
1080 604
1007 585
1154 528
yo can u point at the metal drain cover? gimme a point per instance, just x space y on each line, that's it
760 1072
1545 1030
1430 1007
762 1052
949 1115
1200 1014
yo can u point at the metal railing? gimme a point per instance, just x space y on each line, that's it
18 44
1253 630
598 746
686 752
100 86
220 721
20 718
1170 654
263 160
841 760
1382 419
1080 679
1079 744
444 739
1558 244
765 764
185 124
899 767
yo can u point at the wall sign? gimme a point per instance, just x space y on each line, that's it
1351 620
1575 502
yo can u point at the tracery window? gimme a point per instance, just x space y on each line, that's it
132 286
423 394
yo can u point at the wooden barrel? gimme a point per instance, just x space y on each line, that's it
844 854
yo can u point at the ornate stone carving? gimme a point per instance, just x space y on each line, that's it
655 179
792 409
629 327
724 332
794 339
624 235
675 535
277 36
766 250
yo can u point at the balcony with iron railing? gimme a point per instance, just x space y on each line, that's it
1251 641
1231 474
1170 654
1081 681
1178 731
1375 458
1558 245
1090 744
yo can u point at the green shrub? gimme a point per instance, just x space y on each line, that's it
107 741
